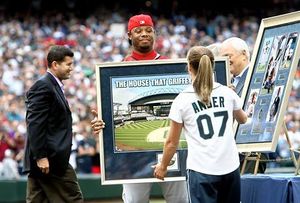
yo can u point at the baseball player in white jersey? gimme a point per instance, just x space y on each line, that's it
205 111
141 35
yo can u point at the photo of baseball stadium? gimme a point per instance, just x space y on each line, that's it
141 107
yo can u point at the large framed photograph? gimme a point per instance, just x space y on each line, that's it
134 99
272 69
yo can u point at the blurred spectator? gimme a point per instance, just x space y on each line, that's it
6 143
85 154
19 150
9 169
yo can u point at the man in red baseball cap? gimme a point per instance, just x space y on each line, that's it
141 36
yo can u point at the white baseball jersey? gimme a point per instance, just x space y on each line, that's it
208 129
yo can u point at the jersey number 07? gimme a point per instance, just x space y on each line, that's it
207 118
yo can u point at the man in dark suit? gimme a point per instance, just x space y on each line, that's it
49 134
238 53
239 58
275 105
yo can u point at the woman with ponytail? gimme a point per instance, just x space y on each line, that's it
205 112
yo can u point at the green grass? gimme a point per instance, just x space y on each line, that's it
261 68
134 136
264 91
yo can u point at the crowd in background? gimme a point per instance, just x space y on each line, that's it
24 41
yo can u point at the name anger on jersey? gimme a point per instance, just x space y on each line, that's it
215 102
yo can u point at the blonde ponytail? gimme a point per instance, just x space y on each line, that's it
201 61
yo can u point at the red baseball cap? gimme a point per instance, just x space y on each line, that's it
139 20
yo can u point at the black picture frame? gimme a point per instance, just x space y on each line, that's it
133 99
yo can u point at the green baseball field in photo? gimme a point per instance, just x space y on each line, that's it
144 135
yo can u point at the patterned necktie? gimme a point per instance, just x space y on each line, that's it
235 80
232 80
62 89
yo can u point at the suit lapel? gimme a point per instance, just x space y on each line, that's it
59 91
62 96
241 83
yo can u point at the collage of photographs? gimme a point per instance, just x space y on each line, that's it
268 82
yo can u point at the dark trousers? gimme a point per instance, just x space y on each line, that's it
204 188
52 188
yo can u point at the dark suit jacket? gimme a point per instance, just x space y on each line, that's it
49 127
240 85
